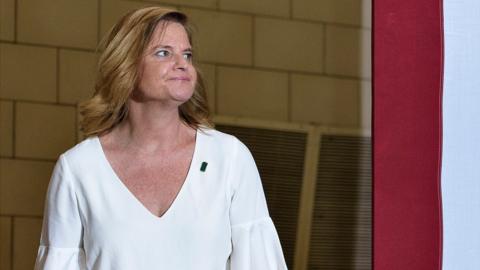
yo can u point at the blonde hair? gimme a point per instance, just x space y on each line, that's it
118 74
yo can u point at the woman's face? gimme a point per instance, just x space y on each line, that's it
166 71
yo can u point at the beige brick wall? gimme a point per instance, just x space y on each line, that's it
7 19
25 242
5 242
287 60
76 75
67 23
28 72
246 97
223 37
6 128
23 184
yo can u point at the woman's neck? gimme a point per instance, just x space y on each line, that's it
152 129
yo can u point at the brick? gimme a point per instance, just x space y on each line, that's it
26 241
77 75
23 186
353 12
289 45
267 7
263 95
5 242
67 23
6 126
348 51
208 72
325 101
43 131
221 37
7 20
366 104
28 72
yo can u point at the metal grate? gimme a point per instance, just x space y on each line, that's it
280 158
341 230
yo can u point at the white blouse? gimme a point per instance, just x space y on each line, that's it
219 219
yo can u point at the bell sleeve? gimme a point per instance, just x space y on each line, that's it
255 242
62 231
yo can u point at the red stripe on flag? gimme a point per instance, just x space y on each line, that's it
407 87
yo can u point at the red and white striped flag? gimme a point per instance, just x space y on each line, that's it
426 134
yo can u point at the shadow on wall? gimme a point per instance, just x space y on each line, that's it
341 226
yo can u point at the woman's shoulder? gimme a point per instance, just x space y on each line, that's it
228 142
219 138
85 151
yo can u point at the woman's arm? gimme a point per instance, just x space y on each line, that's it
254 238
61 244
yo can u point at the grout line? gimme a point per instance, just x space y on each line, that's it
320 74
48 46
31 159
39 102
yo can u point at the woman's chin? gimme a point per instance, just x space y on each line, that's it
182 96
179 96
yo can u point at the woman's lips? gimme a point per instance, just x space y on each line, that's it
180 79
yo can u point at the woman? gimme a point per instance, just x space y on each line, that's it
154 186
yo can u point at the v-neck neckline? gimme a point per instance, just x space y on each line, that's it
134 198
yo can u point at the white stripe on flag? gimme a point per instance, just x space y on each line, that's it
461 136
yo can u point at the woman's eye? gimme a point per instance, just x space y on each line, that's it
188 56
162 53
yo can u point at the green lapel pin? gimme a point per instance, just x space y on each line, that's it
204 166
